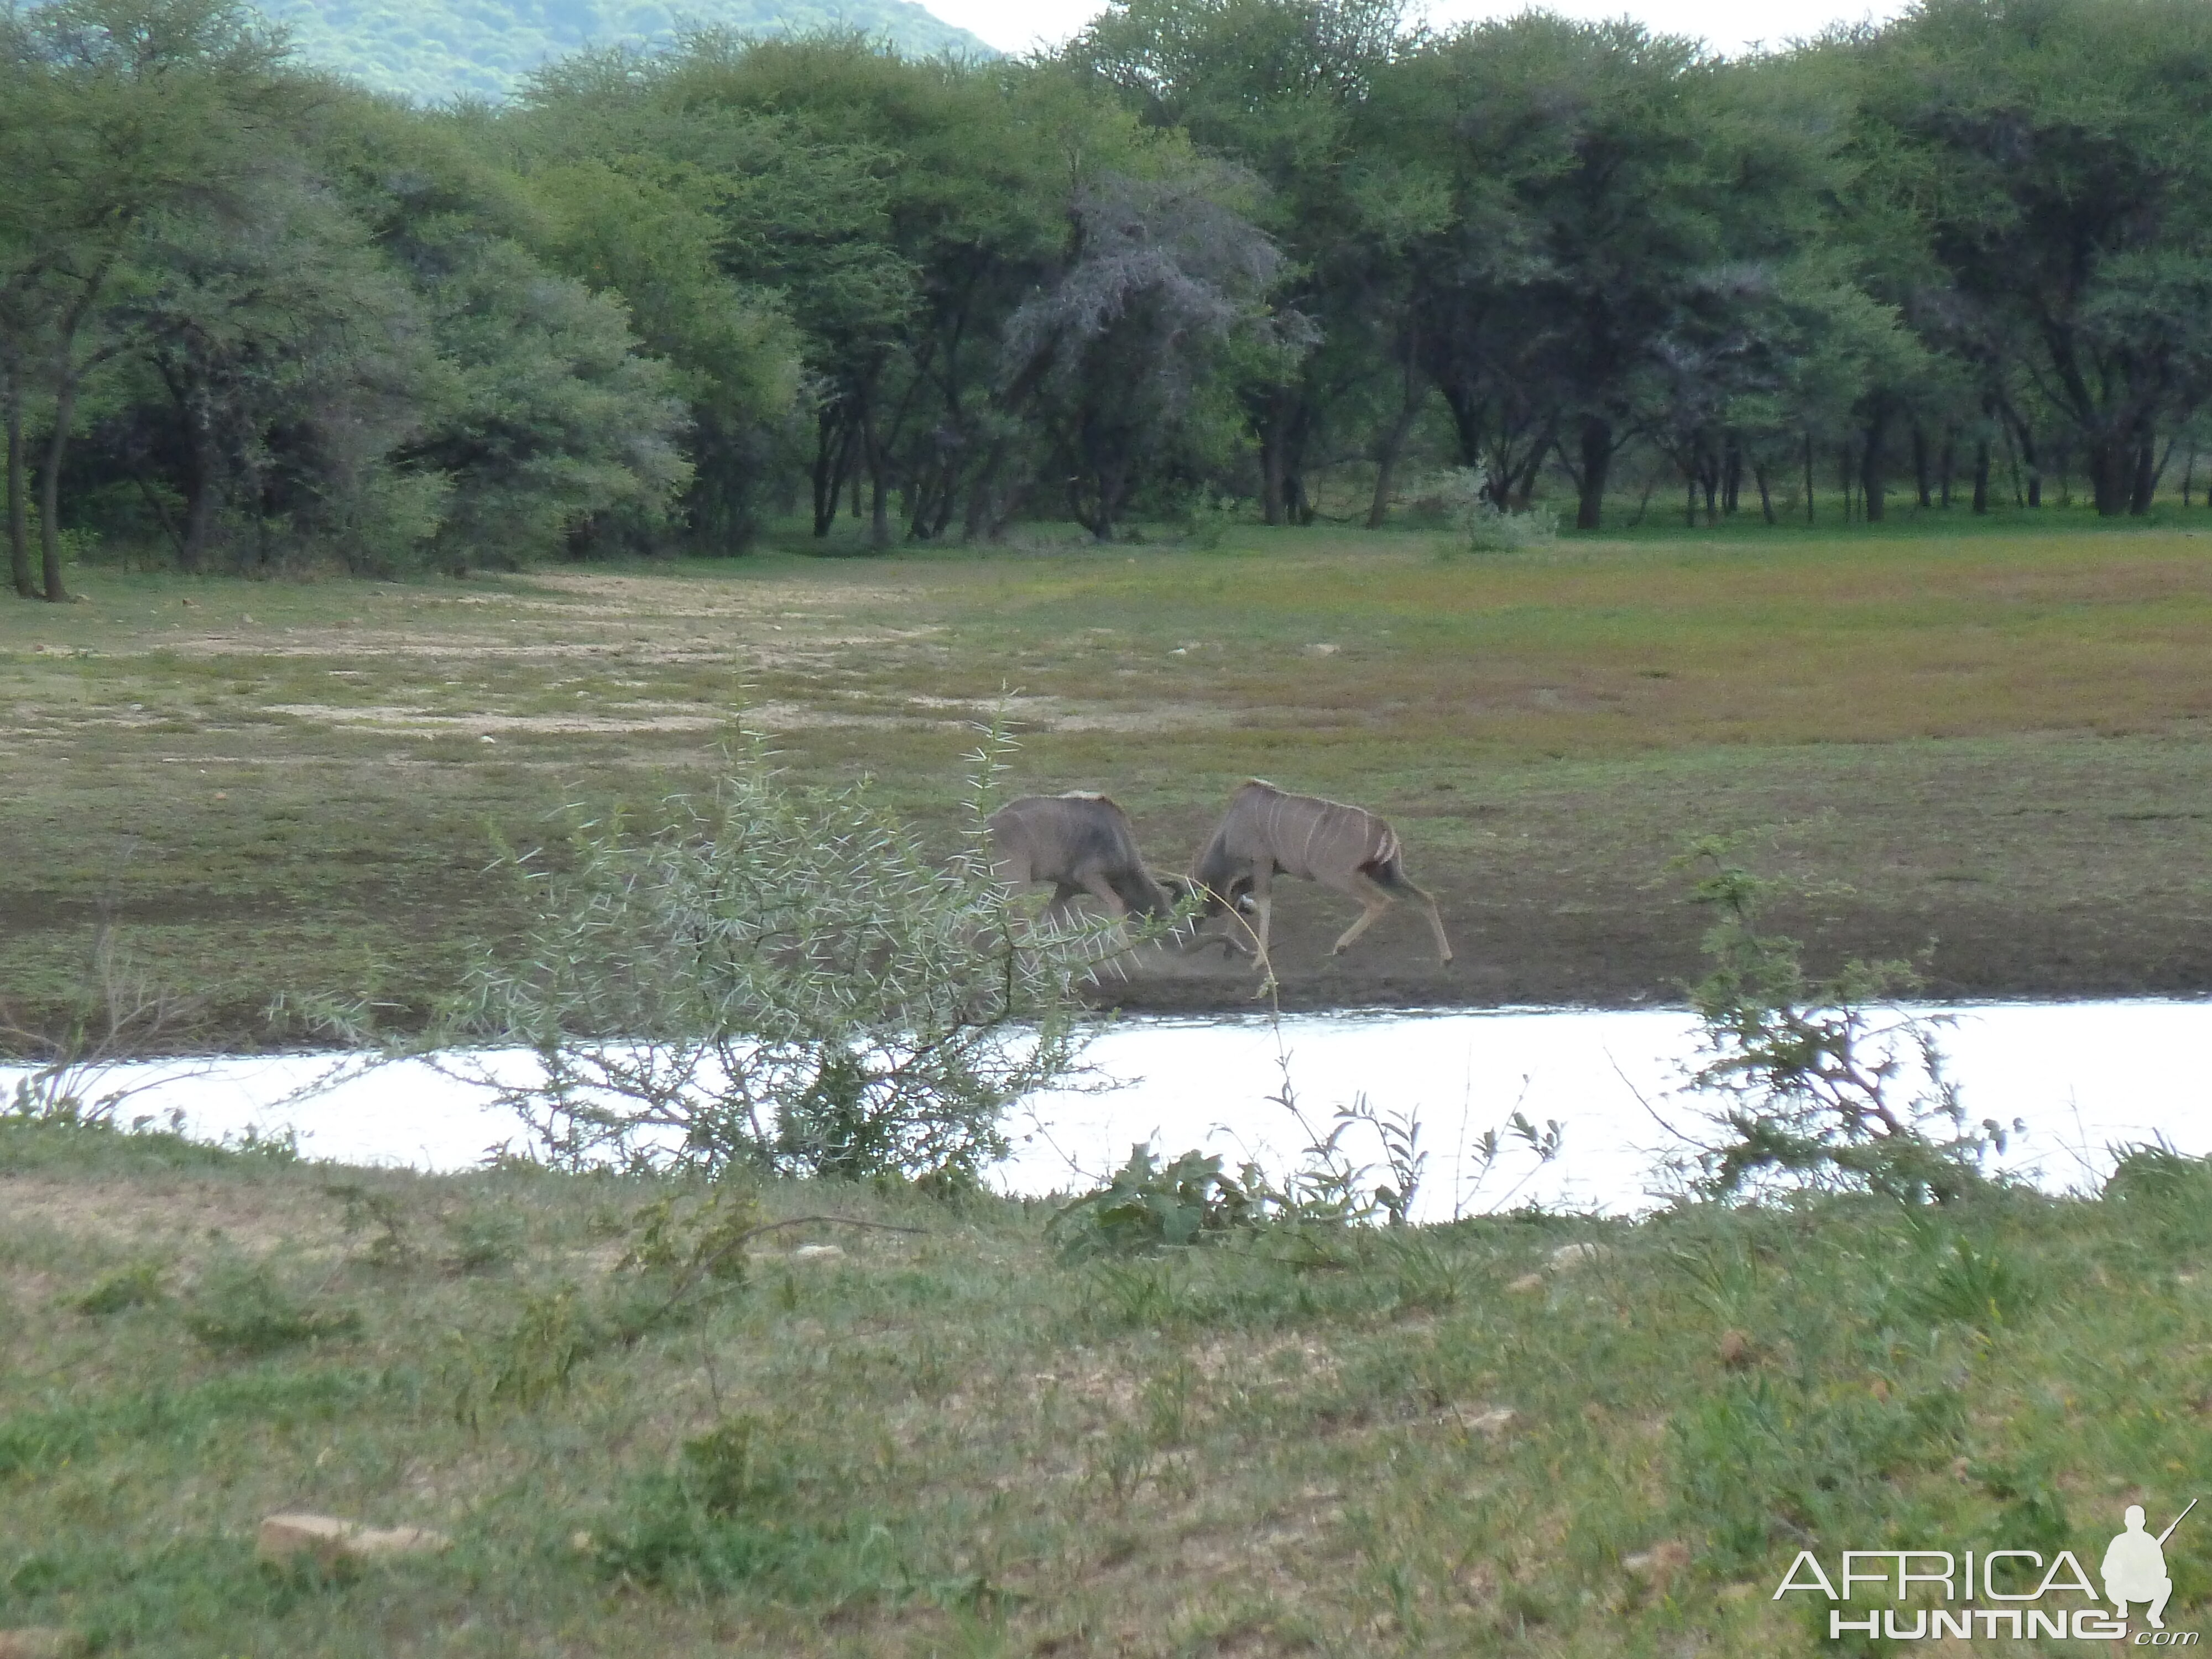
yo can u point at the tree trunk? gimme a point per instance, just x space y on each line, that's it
200 504
1947 465
1982 474
2035 471
1766 496
1731 474
1920 478
203 464
879 506
1112 488
69 374
1597 460
1278 459
942 518
2146 479
19 506
1466 425
833 455
2111 471
983 516
879 481
1871 483
1808 478
50 492
1386 464
1271 475
1690 501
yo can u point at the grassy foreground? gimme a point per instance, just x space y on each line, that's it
1995 741
1510 1436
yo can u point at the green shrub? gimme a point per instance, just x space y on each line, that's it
484 1241
787 980
1985 1288
738 1511
1490 529
243 1310
1207 521
130 1287
2154 1176
1828 1086
1462 496
1147 1207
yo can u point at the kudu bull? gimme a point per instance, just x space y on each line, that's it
1080 843
1267 832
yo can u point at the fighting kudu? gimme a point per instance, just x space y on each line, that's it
1080 843
1267 832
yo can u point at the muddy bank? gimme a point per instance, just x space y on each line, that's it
1530 950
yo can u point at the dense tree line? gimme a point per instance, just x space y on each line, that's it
1265 249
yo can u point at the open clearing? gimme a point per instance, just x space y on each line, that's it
1993 748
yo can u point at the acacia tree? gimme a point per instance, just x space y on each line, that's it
276 361
1631 170
539 417
644 231
2056 154
752 256
119 111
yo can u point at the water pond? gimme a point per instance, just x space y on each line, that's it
2082 1077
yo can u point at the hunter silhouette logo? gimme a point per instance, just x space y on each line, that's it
2010 1593
2135 1566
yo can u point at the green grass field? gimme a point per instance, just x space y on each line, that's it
950 1442
1995 742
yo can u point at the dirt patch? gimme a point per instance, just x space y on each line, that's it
421 722
1020 713
169 1217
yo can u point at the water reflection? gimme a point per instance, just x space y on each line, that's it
2083 1076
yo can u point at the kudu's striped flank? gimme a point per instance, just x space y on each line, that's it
1267 832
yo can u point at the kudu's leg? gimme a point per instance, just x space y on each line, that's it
1376 892
1100 889
1376 899
1435 925
1062 903
1263 902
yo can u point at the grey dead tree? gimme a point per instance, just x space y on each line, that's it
1160 275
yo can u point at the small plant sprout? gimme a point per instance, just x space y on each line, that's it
89 1066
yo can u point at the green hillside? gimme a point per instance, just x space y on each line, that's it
438 48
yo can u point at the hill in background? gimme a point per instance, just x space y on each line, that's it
431 50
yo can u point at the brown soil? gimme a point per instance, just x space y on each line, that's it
1518 949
